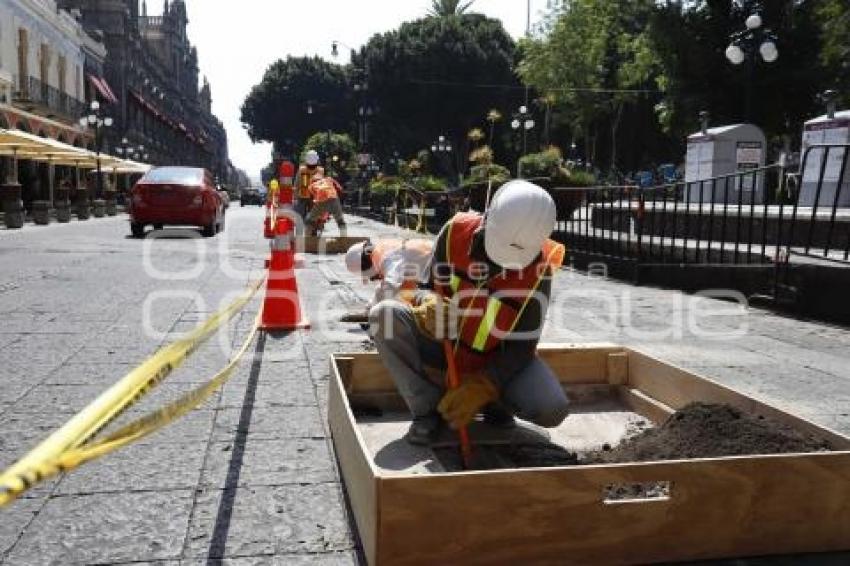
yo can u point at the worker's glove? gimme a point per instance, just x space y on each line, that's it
459 406
436 317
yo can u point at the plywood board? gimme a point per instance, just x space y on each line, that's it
356 465
717 508
579 365
330 245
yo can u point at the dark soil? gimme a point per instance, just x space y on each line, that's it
704 430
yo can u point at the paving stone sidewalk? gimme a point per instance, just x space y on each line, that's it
250 477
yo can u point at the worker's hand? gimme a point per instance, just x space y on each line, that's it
436 317
459 406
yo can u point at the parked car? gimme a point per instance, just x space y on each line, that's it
176 196
251 196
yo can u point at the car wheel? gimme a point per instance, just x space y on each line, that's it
137 230
208 231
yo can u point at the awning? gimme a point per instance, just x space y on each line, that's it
109 90
26 146
102 88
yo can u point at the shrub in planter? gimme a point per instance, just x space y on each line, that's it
429 184
546 165
478 181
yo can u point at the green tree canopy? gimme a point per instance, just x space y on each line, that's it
276 110
330 144
834 16
596 60
434 76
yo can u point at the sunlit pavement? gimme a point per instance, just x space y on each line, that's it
250 475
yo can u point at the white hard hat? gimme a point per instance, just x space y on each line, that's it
520 219
312 157
354 258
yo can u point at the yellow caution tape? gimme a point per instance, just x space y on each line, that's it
69 446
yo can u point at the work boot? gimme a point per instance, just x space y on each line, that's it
498 416
424 429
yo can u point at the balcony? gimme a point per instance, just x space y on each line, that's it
36 95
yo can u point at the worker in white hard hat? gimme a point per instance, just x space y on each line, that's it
489 282
396 264
307 173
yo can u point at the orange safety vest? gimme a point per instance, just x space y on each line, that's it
489 308
324 189
305 176
384 247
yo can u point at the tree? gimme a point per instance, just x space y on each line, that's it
597 55
435 76
276 110
446 8
834 16
332 144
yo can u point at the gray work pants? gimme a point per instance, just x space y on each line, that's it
533 394
332 207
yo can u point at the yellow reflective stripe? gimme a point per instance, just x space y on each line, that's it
454 283
487 323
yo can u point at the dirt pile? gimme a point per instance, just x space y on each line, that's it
702 430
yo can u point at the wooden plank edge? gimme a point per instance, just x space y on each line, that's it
644 405
357 467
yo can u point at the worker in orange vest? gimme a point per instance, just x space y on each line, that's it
306 173
489 284
397 264
324 192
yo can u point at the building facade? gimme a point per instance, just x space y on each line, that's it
45 56
151 87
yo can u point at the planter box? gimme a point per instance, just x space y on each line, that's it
715 507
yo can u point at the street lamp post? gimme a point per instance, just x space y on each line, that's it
748 46
95 119
523 121
442 148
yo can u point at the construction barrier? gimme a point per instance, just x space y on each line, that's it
72 445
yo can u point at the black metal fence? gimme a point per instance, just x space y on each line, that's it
765 215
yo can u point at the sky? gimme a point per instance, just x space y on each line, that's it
237 41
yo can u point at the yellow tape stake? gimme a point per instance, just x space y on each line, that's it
64 449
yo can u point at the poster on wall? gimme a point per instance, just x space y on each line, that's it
748 156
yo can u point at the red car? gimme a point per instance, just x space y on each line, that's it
176 196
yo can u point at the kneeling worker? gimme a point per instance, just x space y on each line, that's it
325 194
397 264
490 280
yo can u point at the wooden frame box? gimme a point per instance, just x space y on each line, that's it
327 246
717 507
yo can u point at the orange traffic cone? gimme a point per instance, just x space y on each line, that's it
282 306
